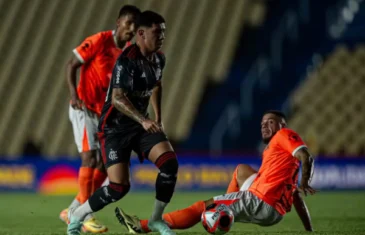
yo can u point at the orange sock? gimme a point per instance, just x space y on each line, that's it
181 219
98 179
85 184
233 185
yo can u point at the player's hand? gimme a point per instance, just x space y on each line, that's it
160 124
305 189
151 126
76 103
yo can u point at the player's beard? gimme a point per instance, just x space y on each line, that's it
267 139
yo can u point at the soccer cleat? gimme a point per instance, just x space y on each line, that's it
132 223
93 226
64 216
74 227
160 226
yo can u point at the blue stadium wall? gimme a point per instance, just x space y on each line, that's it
196 173
269 64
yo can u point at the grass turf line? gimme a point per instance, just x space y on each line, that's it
335 213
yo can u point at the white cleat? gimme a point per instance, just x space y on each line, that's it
160 226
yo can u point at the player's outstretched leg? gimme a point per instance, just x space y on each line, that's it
86 183
85 177
180 219
164 157
90 224
118 187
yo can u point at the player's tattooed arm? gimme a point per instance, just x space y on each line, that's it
307 170
121 102
302 210
156 101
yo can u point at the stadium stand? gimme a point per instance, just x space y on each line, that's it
331 101
36 40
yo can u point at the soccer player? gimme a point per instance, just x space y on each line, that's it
262 197
125 125
96 57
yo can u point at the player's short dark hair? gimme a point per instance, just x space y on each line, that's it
148 18
129 9
277 113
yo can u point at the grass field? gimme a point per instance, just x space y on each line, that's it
332 213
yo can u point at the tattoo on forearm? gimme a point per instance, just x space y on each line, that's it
307 165
123 104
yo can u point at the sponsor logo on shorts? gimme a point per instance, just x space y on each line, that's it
113 155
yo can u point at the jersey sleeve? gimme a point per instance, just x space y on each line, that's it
162 61
290 141
88 48
123 73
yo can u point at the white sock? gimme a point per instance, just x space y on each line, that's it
88 216
74 204
82 211
158 210
246 185
106 182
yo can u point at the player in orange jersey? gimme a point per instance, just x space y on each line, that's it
262 197
96 57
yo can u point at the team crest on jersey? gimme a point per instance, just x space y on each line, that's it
86 45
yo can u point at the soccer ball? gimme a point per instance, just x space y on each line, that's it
217 220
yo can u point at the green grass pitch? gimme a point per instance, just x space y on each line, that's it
332 213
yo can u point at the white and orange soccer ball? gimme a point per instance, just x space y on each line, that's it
217 220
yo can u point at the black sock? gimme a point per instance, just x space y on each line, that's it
107 194
166 178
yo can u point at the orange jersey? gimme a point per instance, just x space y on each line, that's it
277 177
98 54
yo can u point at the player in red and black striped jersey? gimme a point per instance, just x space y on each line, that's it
137 77
125 125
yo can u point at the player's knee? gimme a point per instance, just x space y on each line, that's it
100 166
244 171
167 163
88 159
117 191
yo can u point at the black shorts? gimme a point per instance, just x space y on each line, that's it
117 147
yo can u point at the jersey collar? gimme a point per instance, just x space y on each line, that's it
115 39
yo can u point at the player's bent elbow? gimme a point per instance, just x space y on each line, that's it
302 154
73 63
296 196
115 99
